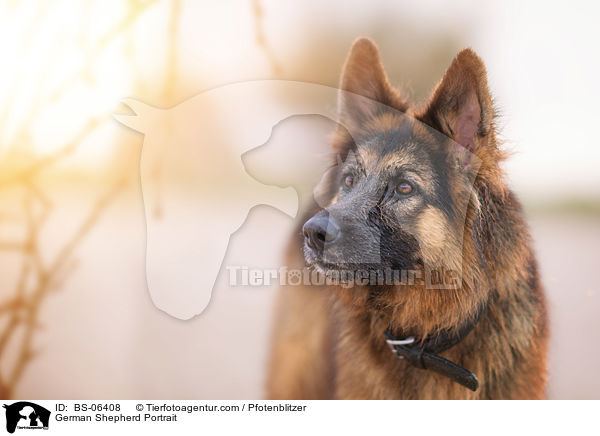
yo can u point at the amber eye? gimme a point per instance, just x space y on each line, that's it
349 181
404 188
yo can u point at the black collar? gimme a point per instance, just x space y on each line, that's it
424 353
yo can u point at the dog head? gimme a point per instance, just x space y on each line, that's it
400 192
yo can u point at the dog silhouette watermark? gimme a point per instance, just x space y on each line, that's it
192 156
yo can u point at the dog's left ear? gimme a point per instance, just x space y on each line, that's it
461 106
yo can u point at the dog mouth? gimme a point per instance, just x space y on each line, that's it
315 261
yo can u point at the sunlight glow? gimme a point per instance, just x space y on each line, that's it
67 65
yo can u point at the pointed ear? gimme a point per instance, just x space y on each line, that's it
144 115
461 106
363 75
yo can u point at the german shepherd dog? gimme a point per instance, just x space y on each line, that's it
397 190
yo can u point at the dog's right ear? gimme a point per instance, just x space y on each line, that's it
461 105
367 84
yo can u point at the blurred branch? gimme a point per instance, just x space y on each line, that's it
32 170
25 310
172 57
169 92
86 226
137 8
20 307
261 40
134 12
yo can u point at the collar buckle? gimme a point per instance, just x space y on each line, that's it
393 342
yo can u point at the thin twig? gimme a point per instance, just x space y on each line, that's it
20 311
261 40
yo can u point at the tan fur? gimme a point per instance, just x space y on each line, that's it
436 236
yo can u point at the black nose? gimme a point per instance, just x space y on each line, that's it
320 229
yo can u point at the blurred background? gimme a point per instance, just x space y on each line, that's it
76 320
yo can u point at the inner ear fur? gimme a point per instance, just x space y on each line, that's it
461 105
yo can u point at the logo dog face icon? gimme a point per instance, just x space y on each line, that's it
25 414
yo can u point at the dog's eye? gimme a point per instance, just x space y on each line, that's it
349 181
404 188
